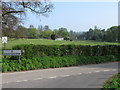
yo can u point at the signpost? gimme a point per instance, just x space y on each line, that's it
12 53
4 40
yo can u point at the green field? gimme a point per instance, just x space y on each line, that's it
14 42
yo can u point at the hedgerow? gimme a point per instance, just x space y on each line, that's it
52 62
55 56
30 51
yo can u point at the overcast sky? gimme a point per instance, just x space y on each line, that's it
77 16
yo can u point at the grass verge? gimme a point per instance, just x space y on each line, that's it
113 82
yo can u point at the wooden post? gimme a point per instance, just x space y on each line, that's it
4 46
19 59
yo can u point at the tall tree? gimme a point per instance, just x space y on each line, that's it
53 36
72 35
13 12
33 32
40 29
63 32
47 34
22 32
46 27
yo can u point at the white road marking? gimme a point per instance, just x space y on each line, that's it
18 81
64 75
79 73
52 77
25 80
96 71
106 70
89 72
113 70
38 78
22 81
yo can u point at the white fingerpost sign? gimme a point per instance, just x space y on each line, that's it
4 39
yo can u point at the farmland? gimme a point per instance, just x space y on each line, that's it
14 42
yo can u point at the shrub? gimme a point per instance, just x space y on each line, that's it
4 67
53 62
113 82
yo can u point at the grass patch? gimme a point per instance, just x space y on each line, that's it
14 42
113 82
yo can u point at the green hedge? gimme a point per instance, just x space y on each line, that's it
55 56
52 62
30 51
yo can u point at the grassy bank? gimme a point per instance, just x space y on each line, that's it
14 42
113 82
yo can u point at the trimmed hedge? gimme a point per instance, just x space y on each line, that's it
30 51
55 56
53 62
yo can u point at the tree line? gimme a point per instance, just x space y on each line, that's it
112 34
96 34
32 32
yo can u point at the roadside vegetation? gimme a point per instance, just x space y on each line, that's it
56 56
44 62
113 82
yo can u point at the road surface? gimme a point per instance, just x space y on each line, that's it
87 76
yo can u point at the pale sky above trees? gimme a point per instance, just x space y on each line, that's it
77 16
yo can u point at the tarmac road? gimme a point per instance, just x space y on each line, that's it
87 76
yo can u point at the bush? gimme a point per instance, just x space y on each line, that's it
53 62
113 82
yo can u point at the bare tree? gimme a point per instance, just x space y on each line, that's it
13 12
40 8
